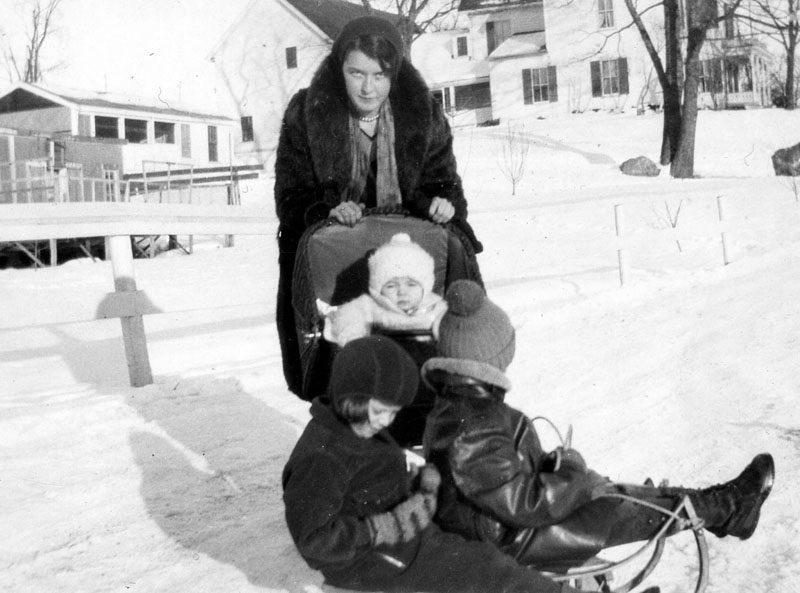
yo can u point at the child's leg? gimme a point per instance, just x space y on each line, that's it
447 563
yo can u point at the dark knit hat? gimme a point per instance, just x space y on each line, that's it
367 25
475 336
373 367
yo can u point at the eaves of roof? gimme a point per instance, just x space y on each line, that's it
142 108
521 44
467 5
332 15
91 100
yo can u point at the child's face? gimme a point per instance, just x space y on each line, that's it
404 292
379 416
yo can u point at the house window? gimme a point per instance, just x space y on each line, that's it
164 132
212 144
473 96
136 131
186 141
291 57
609 77
710 80
539 85
496 33
106 127
606 8
247 128
443 97
461 46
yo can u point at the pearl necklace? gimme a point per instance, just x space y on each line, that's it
366 119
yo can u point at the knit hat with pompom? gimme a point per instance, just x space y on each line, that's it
475 336
398 258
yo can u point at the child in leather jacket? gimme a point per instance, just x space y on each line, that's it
545 509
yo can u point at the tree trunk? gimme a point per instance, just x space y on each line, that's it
791 99
672 91
671 133
406 26
683 163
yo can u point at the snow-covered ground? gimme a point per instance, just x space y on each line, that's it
684 373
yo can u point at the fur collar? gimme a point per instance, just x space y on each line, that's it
326 112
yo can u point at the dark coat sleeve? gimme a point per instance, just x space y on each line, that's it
314 491
489 471
439 173
299 198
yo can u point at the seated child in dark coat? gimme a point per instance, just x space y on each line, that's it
400 298
354 510
544 509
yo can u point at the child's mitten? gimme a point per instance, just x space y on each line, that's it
404 522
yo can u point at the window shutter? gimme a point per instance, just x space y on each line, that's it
597 85
490 39
622 67
527 91
552 84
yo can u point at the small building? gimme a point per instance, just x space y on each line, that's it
59 146
129 134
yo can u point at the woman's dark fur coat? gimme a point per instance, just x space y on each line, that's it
312 171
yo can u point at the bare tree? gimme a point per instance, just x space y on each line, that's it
512 156
677 75
27 65
416 16
778 20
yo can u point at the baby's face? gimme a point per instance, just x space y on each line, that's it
404 292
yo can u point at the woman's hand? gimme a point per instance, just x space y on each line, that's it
348 213
441 210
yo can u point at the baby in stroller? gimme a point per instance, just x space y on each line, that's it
400 297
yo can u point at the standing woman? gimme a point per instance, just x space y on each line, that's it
367 132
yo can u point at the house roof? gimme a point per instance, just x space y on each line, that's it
432 55
466 5
332 15
521 44
27 96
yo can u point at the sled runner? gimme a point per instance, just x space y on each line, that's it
625 574
622 574
331 265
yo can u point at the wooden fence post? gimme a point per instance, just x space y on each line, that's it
132 326
723 235
622 254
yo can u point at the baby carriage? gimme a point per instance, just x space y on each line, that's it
331 265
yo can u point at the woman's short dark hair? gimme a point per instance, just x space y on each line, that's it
352 408
376 47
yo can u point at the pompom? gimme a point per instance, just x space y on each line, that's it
464 297
400 238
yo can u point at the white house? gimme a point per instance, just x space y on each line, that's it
507 59
545 56
269 52
141 134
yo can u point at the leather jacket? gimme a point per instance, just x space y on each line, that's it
497 481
